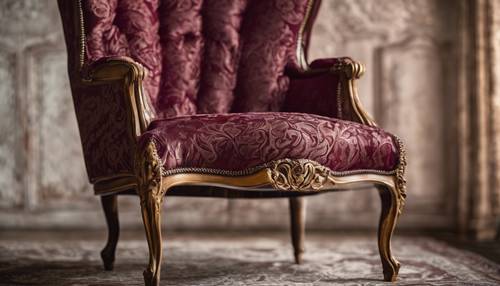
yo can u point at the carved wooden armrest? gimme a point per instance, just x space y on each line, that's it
112 69
345 72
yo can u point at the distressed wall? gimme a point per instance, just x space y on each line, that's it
409 48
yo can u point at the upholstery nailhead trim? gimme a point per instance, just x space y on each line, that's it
253 170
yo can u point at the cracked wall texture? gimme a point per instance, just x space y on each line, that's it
409 48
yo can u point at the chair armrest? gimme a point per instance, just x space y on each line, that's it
111 111
329 85
110 69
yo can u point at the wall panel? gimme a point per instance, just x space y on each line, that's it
10 194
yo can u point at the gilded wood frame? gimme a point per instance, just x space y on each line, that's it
302 176
152 183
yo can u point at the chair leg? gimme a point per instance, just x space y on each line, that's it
388 218
151 216
297 226
151 193
110 207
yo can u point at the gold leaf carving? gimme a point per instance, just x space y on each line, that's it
400 174
298 175
149 172
352 69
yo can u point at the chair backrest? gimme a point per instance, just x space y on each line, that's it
202 56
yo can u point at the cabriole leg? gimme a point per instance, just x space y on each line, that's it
151 216
110 207
391 203
149 175
297 226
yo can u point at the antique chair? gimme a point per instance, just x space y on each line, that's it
216 98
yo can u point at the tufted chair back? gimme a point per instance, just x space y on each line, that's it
203 56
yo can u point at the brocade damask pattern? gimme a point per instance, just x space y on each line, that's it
243 140
219 74
314 95
269 37
108 145
125 28
182 45
206 55
196 61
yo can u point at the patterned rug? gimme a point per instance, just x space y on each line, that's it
262 259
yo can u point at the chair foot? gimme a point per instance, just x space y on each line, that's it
150 279
391 202
298 257
110 207
391 273
108 258
297 226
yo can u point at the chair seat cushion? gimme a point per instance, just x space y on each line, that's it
239 141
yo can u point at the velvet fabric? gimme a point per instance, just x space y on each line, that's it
202 56
242 140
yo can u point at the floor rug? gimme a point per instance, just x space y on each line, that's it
242 259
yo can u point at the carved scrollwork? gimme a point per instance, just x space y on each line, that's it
149 174
298 175
148 169
400 175
352 69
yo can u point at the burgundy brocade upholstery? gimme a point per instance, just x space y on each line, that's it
104 130
242 140
214 56
313 95
202 56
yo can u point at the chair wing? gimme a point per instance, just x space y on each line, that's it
111 113
327 87
110 106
